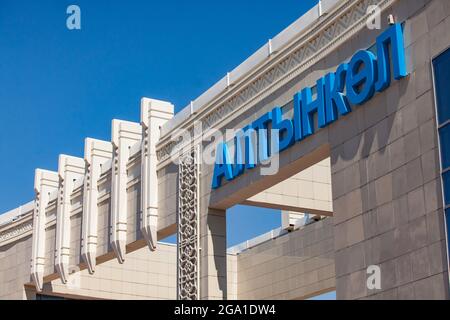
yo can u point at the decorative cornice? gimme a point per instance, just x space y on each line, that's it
17 230
324 36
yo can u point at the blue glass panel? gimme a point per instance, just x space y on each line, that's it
442 76
447 223
444 136
446 180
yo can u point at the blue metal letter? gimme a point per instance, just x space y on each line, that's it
309 107
394 37
238 167
222 167
361 77
298 132
285 129
250 161
335 100
260 126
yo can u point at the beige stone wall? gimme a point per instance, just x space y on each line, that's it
15 269
50 234
167 199
143 275
308 191
75 239
232 277
297 265
134 208
385 173
103 227
264 269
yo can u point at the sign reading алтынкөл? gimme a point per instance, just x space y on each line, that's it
352 84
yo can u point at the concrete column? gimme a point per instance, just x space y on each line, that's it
154 114
45 182
213 261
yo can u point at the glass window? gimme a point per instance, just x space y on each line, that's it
446 183
442 85
441 67
447 217
444 136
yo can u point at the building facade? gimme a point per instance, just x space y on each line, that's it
341 121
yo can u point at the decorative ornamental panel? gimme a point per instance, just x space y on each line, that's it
188 228
16 231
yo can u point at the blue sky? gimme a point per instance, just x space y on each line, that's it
326 296
59 86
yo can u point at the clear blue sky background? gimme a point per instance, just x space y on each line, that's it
59 86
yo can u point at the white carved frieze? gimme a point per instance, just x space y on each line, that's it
16 231
17 223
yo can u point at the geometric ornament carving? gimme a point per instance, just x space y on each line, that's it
16 231
188 228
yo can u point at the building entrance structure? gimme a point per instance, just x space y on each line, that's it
359 176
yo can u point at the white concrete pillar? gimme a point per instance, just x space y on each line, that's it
213 255
69 170
45 182
154 113
124 135
96 152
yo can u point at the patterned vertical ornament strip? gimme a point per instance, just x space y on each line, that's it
188 233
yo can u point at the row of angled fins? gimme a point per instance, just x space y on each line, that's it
154 114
